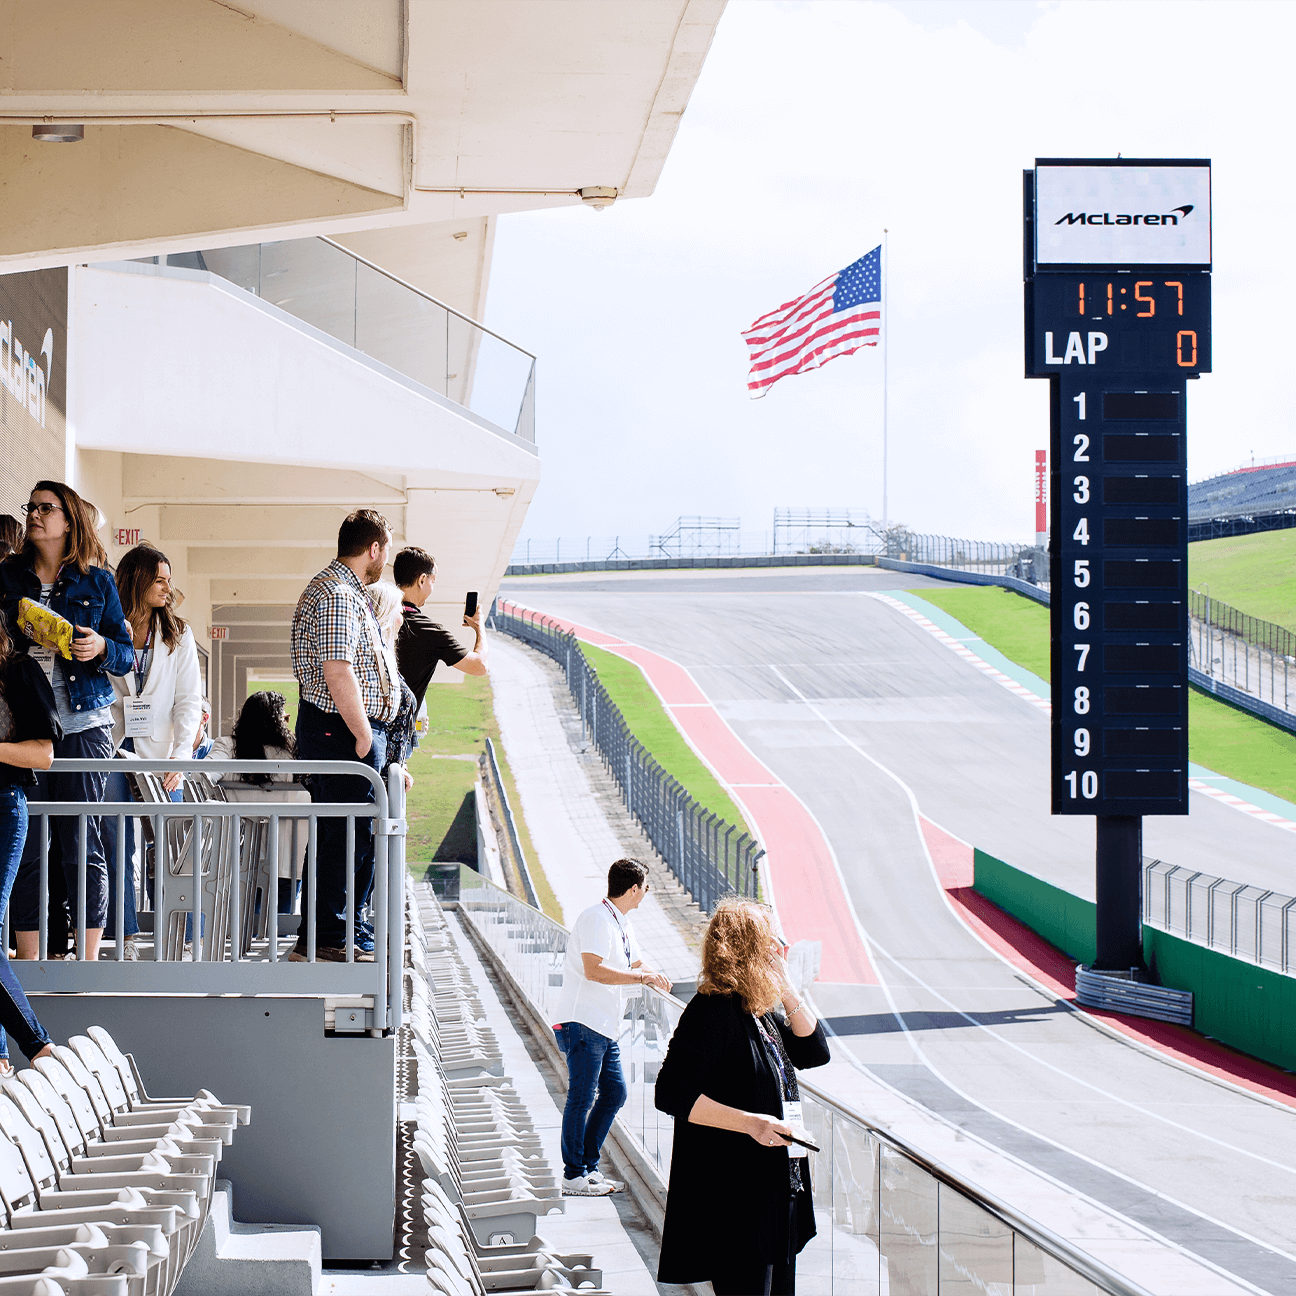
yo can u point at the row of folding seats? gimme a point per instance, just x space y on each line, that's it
487 1177
103 1190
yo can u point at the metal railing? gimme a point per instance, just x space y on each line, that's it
217 835
324 284
889 1218
1246 922
968 555
1250 629
1243 651
710 856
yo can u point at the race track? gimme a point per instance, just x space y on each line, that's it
862 713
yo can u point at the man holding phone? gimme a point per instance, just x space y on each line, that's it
421 642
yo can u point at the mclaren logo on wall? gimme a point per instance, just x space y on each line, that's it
1105 218
1122 215
27 376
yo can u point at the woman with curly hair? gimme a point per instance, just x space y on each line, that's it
729 1080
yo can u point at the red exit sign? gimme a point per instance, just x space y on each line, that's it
220 632
126 537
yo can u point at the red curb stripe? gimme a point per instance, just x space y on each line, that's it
810 895
1018 945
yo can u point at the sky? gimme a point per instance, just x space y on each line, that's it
812 128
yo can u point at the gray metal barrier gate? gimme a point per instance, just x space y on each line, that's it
711 857
212 833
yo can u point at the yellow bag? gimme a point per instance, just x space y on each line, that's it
45 627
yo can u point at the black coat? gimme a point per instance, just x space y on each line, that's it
728 1199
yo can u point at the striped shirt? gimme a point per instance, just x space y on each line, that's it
334 622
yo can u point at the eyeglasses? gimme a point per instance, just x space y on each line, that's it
42 510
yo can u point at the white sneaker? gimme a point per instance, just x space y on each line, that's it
585 1186
613 1185
130 953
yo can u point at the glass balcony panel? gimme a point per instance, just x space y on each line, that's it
976 1249
908 1226
401 329
313 281
1036 1273
240 265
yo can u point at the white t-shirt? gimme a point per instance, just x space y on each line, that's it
600 930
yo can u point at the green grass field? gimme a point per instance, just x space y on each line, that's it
1220 737
439 808
1016 625
650 722
1253 573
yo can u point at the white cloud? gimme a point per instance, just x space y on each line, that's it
812 127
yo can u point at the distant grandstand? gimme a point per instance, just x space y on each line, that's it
1259 497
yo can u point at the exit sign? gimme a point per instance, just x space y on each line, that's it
125 537
220 632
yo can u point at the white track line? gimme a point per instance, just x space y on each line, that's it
1147 1112
959 646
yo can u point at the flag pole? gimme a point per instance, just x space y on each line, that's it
886 346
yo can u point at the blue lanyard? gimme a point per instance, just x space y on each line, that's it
776 1056
625 940
143 662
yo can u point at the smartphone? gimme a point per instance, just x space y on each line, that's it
470 604
805 1143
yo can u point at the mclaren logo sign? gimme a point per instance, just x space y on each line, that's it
1122 215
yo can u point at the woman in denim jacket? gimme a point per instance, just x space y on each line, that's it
62 564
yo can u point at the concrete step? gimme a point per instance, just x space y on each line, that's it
236 1259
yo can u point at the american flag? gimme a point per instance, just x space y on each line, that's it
837 316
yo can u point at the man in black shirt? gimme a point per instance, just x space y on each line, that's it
422 643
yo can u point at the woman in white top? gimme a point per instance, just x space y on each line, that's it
157 706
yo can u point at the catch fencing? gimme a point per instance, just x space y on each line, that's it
1026 562
1246 922
889 1218
711 857
1245 652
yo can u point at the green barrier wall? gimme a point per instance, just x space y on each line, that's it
1249 1008
1062 919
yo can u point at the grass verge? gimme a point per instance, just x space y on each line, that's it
1254 573
652 725
1220 737
460 719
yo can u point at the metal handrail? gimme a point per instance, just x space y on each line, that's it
241 974
404 283
511 824
1089 1267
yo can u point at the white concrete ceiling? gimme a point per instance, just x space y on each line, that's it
210 123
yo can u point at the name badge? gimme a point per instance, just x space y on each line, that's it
44 657
793 1116
139 717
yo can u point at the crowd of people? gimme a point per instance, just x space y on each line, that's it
97 663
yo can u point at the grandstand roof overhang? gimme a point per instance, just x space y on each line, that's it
213 123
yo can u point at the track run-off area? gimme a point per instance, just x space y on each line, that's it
871 751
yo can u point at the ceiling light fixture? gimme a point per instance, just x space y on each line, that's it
459 238
504 491
58 132
598 196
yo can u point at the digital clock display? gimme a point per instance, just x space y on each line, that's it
1119 322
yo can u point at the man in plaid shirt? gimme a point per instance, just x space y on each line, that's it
347 697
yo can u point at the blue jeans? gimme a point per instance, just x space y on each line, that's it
16 1016
117 789
322 736
593 1068
93 744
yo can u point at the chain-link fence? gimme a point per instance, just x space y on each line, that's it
1247 922
1025 562
1256 657
1264 634
711 857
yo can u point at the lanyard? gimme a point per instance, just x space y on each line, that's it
776 1056
46 599
143 661
625 939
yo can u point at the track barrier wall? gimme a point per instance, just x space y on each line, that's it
1247 1007
711 857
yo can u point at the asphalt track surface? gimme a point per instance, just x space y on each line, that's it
867 718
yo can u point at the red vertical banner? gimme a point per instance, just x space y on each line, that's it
1041 495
